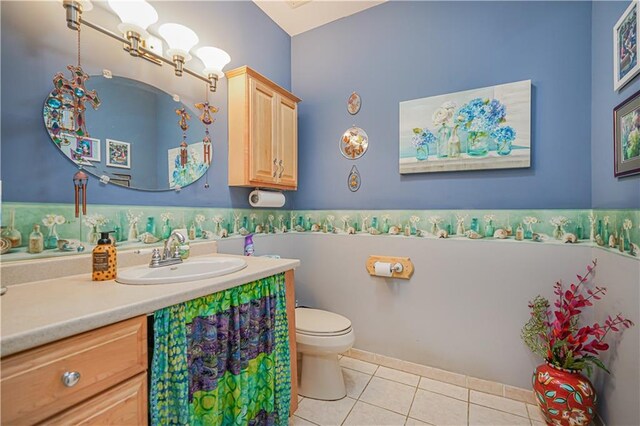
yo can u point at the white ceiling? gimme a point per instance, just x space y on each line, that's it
298 16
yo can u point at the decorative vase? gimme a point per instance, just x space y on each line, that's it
133 232
151 226
93 236
558 232
478 144
166 229
422 152
444 133
51 241
504 148
627 240
453 145
566 397
489 229
474 225
11 232
385 226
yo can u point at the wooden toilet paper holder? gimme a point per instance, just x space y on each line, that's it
407 265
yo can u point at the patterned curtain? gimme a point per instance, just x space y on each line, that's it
223 359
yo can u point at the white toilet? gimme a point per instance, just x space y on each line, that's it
321 336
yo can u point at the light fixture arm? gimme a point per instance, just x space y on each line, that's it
74 20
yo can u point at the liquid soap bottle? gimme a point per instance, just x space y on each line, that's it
104 259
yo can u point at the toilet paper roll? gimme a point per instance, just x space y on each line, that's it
271 199
383 269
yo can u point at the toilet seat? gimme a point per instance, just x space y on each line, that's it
316 322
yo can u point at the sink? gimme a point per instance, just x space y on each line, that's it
190 270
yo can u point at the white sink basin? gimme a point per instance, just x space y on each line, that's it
190 270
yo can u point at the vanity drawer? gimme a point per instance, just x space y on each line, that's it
124 404
32 381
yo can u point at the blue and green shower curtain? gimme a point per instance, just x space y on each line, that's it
223 359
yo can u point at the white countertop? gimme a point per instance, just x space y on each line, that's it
40 312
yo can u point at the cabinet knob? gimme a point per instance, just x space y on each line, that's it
70 378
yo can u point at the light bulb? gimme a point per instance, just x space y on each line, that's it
136 16
214 60
179 38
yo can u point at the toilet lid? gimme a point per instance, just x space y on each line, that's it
316 321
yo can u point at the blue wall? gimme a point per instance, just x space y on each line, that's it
406 50
36 44
607 191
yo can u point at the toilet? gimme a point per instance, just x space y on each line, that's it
320 337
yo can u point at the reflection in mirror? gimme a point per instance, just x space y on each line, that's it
133 138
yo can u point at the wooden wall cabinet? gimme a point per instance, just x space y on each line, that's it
263 132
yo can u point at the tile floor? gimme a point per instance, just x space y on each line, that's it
377 395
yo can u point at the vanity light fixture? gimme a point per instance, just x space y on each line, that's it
181 40
136 16
214 61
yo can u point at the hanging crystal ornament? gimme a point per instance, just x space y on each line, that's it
68 98
207 120
184 116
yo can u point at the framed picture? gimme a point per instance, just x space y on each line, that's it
118 154
89 148
479 129
625 47
626 137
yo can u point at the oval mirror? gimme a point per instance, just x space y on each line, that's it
133 137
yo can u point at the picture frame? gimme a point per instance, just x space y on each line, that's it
90 148
626 61
626 137
118 154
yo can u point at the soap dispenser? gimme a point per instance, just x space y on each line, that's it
104 259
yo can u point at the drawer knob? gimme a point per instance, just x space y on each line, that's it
70 378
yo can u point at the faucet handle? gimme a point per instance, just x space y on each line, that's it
155 257
176 252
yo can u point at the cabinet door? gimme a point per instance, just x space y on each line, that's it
288 142
262 145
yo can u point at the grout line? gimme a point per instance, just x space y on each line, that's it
468 405
415 392
349 413
502 411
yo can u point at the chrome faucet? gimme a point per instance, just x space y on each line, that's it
168 258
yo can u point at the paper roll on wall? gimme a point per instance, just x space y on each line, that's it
383 269
259 198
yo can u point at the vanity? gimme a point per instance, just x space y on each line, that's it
74 350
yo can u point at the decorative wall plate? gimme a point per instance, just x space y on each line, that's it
354 103
353 181
354 143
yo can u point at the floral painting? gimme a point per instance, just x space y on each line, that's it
488 128
194 169
627 137
118 154
625 47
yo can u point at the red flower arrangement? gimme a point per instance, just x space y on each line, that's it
555 335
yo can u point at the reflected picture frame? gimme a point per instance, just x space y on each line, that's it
626 137
118 154
90 148
626 60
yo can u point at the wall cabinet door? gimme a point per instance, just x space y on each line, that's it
287 142
263 132
263 149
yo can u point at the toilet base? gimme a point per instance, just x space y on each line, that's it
321 377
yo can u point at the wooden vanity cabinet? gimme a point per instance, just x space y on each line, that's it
97 377
263 132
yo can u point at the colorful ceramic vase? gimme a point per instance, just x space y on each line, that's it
566 397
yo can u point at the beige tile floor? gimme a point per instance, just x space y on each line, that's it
378 395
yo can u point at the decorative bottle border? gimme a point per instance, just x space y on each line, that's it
420 223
